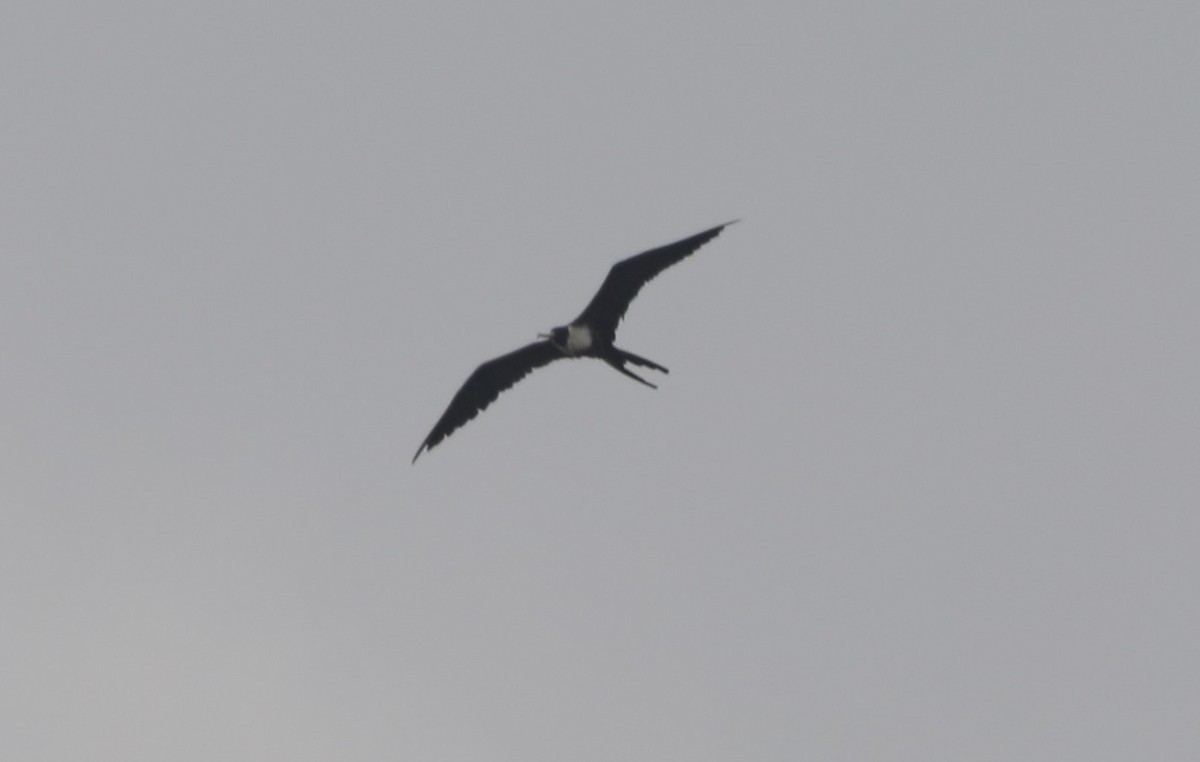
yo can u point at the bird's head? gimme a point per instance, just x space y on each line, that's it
557 336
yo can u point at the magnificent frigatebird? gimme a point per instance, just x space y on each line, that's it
589 335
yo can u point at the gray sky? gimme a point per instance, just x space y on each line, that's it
922 483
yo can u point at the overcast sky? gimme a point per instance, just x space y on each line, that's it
922 484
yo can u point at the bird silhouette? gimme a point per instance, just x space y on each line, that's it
589 335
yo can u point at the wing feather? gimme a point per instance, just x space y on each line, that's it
484 385
627 277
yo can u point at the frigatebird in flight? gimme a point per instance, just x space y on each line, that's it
589 335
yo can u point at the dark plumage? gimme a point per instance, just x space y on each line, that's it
589 335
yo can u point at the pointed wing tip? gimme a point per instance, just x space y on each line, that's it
420 450
717 230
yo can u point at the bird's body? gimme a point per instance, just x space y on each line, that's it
589 335
579 339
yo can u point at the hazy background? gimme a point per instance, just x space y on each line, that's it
922 484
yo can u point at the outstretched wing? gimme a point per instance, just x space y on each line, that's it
484 386
628 276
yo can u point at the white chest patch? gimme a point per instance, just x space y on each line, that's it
579 338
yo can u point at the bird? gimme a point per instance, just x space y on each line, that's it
589 335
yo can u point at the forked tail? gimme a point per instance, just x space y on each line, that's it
619 357
642 361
